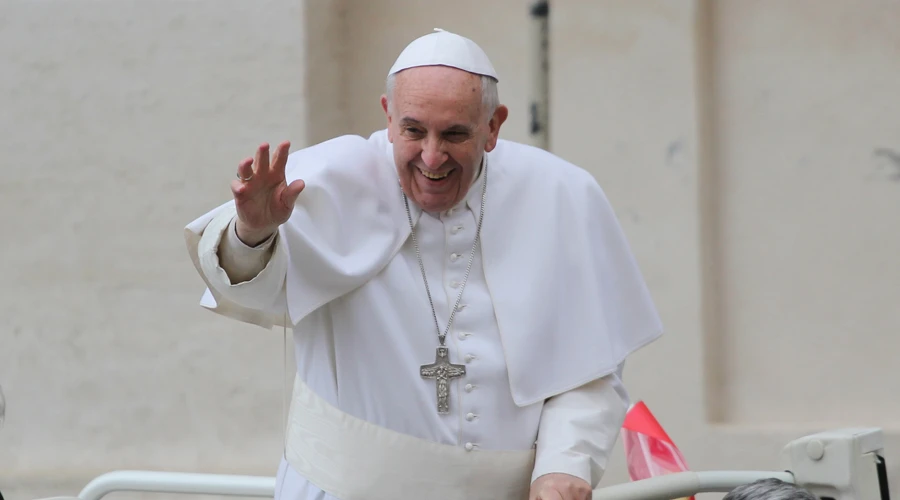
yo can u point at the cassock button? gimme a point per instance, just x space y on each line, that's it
469 358
455 229
470 446
454 284
470 417
462 335
469 387
454 256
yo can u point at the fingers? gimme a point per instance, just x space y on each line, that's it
245 168
560 486
239 189
291 192
250 169
548 494
279 160
245 174
262 159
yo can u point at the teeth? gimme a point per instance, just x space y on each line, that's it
433 176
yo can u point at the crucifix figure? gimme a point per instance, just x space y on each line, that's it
442 371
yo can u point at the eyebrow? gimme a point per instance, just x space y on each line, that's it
406 120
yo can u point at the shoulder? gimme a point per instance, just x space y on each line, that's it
344 152
348 162
530 167
379 140
347 146
338 148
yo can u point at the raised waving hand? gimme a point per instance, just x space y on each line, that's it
263 198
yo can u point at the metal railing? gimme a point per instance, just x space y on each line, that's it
178 482
679 485
685 484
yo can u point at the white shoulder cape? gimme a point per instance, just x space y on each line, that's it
568 295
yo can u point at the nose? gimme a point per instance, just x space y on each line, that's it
433 155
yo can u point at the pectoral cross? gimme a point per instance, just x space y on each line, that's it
442 371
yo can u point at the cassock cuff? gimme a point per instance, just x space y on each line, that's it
263 289
240 261
579 428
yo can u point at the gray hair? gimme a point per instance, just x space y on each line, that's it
490 97
769 489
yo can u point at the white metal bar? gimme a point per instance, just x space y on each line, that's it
179 482
684 484
720 481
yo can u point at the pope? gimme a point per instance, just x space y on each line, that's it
461 306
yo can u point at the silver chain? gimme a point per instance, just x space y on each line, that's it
443 336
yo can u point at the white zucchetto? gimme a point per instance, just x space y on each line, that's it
443 48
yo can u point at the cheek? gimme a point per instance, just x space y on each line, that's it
403 156
408 149
399 153
463 156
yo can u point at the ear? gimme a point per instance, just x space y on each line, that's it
500 115
387 114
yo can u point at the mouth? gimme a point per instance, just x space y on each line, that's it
436 177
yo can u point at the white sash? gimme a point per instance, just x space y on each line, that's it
352 459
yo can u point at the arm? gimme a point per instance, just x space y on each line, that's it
252 277
578 430
242 262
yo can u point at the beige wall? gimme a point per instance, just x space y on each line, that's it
121 121
810 206
750 148
751 151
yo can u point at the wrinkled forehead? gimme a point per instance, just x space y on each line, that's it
439 80
438 89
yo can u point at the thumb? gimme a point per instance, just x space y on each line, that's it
291 192
547 494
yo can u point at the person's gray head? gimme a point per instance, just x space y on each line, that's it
443 114
769 489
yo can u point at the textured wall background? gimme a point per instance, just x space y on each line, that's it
121 121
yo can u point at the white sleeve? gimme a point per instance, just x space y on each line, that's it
240 261
264 290
341 233
579 428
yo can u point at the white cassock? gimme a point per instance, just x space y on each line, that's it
552 306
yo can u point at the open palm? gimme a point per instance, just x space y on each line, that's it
263 198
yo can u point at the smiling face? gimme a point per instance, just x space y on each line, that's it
440 131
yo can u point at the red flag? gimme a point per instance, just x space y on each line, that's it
649 452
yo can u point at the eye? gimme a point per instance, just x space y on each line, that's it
413 130
455 135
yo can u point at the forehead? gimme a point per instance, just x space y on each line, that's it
438 92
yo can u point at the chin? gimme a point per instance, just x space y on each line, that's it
431 200
434 206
